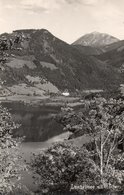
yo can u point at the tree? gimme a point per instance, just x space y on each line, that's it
103 121
10 163
58 167
10 160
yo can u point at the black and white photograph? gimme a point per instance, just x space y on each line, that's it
61 97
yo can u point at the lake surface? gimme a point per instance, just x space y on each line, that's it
40 131
37 121
28 148
39 128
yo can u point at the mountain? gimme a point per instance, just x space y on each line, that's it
96 39
114 46
88 50
114 55
39 63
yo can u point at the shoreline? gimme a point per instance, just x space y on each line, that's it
43 101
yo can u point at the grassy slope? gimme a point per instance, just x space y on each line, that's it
45 56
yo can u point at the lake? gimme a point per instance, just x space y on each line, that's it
37 121
40 131
28 148
39 128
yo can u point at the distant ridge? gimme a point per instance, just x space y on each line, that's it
39 63
96 39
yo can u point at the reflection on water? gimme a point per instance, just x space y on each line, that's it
37 122
41 130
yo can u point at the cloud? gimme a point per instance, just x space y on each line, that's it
73 1
39 6
90 2
44 6
35 9
83 2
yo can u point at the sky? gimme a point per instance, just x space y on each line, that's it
66 19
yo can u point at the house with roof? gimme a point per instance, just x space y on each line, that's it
66 93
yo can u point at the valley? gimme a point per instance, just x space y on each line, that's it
41 65
42 74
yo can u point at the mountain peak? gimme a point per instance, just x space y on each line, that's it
95 32
96 39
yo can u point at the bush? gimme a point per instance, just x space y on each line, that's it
103 121
10 160
58 167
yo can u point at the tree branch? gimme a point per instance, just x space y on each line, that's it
113 145
97 148
106 138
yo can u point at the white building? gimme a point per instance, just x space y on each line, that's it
66 93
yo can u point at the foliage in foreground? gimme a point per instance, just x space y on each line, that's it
58 167
11 164
10 161
99 164
103 121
